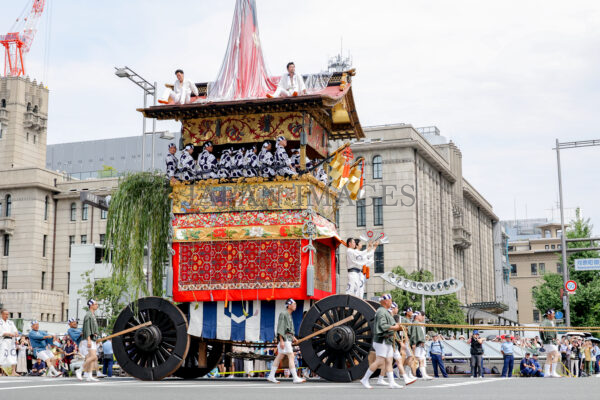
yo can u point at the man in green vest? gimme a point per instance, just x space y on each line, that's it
383 338
285 337
88 343
549 339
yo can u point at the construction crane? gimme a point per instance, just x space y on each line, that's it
18 41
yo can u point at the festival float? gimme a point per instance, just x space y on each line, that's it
240 247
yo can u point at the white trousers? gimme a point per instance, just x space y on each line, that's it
280 92
356 284
182 98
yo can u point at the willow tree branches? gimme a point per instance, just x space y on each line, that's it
139 213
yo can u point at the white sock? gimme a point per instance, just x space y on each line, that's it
52 369
390 376
273 370
367 375
546 370
294 372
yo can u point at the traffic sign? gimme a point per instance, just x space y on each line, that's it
571 286
587 264
558 315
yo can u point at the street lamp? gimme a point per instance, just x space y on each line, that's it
149 90
567 145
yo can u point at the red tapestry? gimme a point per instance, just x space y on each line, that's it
248 264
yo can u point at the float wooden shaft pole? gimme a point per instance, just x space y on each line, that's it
343 321
135 328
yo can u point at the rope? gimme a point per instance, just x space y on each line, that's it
508 327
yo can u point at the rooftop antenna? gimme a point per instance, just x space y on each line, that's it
339 63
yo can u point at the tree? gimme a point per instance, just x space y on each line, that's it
443 309
585 308
139 214
108 293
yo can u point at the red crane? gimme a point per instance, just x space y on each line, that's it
18 42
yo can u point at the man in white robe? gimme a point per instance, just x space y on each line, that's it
8 348
181 92
355 260
290 84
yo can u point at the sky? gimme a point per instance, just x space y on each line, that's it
502 79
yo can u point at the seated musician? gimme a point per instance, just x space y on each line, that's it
181 92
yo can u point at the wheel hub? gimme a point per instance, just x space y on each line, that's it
341 338
148 338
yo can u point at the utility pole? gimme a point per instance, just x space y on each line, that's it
567 145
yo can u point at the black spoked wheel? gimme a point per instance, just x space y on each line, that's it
153 352
214 351
340 354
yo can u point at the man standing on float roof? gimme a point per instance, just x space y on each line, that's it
285 338
548 339
290 84
181 92
383 338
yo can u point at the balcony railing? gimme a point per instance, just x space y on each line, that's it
7 225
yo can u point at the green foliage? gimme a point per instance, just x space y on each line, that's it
585 307
443 309
139 213
107 172
108 293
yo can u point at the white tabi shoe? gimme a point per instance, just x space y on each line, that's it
90 378
78 373
381 381
408 380
298 380
272 379
365 383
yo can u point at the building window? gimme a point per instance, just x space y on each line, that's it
361 214
559 268
536 315
34 139
8 206
513 269
73 211
68 282
44 245
559 233
534 269
4 279
6 245
547 247
83 239
542 268
377 168
102 237
553 246
103 214
71 243
46 208
379 268
84 212
43 279
377 211
3 103
547 233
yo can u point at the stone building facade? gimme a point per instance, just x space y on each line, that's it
40 212
529 260
434 218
